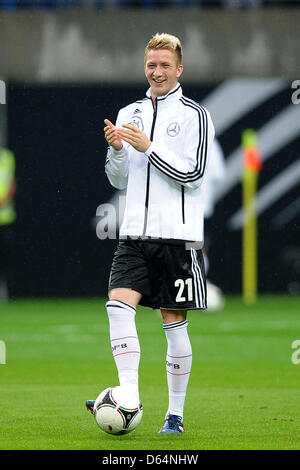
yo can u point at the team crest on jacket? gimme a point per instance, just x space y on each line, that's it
173 129
137 121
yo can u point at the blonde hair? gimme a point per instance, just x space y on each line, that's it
165 41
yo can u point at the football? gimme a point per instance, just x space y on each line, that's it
117 410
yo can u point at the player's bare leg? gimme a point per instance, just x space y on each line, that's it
179 362
173 315
129 296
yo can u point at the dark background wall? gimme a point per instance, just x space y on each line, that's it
56 132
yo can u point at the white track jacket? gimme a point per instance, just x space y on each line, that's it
163 197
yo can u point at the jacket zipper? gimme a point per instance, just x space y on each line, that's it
148 168
182 204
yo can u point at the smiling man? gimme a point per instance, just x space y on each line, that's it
158 151
163 68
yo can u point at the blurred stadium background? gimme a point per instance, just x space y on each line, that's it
67 64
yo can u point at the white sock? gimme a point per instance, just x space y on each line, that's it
179 363
124 342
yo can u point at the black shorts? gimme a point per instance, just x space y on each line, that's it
168 276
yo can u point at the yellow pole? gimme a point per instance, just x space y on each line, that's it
249 237
252 165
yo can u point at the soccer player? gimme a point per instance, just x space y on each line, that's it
158 151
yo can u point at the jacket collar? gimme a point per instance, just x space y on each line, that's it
170 97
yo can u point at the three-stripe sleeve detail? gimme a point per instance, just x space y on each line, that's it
201 152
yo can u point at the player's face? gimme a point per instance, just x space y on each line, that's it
162 71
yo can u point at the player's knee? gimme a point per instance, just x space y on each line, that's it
128 296
173 315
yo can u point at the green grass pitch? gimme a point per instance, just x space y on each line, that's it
243 392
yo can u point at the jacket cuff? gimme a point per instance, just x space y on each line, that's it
149 150
119 153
